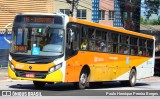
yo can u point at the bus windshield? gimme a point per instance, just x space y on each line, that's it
37 41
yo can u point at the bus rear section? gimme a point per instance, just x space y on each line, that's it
101 53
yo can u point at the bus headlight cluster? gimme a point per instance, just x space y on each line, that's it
11 66
54 68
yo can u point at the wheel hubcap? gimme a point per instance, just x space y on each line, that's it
133 78
83 79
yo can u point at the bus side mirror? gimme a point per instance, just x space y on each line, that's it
6 32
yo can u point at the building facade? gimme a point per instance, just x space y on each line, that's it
8 10
84 8
95 11
106 12
119 13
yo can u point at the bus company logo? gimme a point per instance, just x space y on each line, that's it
149 62
19 66
113 58
97 59
30 67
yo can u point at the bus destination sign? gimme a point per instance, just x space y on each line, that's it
28 19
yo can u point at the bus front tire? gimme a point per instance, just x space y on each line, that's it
39 84
83 80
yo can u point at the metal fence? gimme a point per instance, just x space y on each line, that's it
4 50
4 58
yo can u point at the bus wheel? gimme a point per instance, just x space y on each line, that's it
83 80
39 84
132 78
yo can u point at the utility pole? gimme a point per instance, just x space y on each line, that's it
74 8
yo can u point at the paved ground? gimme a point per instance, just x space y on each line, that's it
3 74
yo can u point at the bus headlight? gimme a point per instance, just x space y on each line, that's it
52 69
11 66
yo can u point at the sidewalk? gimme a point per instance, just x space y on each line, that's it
150 79
3 74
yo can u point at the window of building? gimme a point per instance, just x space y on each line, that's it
111 15
81 14
65 11
101 14
125 15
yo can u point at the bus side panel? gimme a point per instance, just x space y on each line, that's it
103 66
73 69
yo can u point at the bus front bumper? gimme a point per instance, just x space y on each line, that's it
56 76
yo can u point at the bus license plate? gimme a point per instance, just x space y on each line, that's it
30 75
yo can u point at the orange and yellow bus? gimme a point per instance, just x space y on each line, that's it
48 48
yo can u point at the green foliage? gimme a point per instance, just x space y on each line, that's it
155 22
150 22
142 21
151 7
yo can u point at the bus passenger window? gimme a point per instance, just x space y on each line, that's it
103 47
115 48
124 49
91 33
140 52
134 50
91 45
100 46
110 37
84 32
110 48
84 44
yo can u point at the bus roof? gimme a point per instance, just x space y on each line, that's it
71 19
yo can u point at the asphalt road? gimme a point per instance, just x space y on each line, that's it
152 83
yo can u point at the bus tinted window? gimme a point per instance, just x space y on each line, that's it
124 39
133 40
91 38
149 47
134 46
113 42
142 47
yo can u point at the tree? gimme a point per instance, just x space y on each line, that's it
151 7
142 21
155 22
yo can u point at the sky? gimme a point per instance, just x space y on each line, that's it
154 16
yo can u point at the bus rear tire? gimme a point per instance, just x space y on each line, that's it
132 79
38 84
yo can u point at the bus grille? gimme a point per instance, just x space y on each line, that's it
38 74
